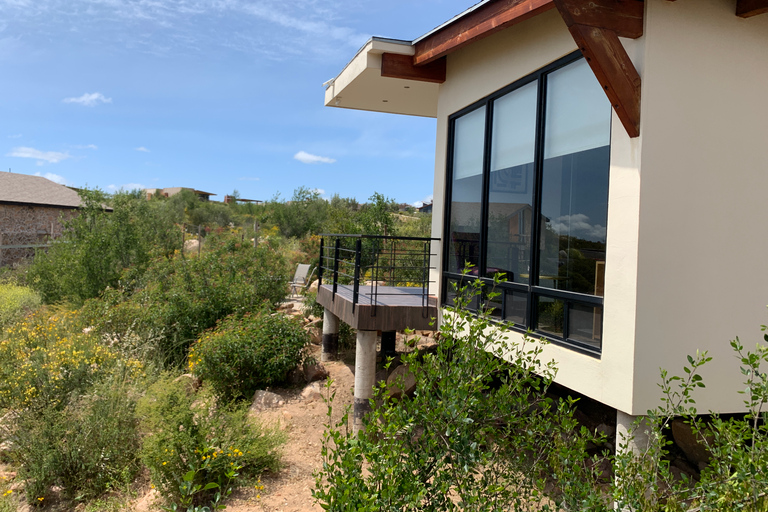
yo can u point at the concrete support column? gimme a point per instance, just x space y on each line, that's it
365 375
635 426
388 342
330 350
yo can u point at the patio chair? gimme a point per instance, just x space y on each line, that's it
300 278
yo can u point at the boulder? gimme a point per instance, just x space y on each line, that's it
694 446
401 376
285 307
315 335
312 392
313 287
315 371
263 400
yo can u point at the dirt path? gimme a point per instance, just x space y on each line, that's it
303 419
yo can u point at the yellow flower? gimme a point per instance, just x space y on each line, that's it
40 498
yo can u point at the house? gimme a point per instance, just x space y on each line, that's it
632 134
32 209
425 207
171 191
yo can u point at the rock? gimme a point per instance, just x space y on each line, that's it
312 392
285 307
313 287
315 335
264 400
381 375
401 376
694 446
191 383
314 319
315 371
427 334
191 245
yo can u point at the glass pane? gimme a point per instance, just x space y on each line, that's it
510 189
574 201
585 324
452 290
550 316
494 306
515 308
464 235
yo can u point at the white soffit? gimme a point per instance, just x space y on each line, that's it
360 85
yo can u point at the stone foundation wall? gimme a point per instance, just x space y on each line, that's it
29 225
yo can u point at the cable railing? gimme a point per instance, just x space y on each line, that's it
381 265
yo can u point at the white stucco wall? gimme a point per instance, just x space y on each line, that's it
687 255
703 235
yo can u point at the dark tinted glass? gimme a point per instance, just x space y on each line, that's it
466 191
550 316
585 324
515 308
510 189
574 198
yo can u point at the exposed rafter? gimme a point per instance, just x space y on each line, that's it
749 8
624 17
394 65
595 26
482 22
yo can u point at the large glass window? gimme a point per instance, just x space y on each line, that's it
528 197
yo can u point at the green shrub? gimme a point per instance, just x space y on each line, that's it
171 303
478 434
186 434
245 354
15 303
85 447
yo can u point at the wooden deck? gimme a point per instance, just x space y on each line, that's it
394 309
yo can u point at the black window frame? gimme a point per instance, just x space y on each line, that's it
532 288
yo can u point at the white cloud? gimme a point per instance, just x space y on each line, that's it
578 225
52 157
53 177
419 204
89 99
126 187
86 146
308 158
142 149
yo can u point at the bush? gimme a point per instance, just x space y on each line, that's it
245 354
479 433
15 303
48 358
85 447
187 436
176 299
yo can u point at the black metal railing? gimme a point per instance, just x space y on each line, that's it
376 261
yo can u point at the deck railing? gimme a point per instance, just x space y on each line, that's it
377 262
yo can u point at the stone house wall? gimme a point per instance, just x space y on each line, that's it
28 225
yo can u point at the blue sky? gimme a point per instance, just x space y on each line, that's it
212 94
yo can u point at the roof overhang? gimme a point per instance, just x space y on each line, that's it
381 78
403 77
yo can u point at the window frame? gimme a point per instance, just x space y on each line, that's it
532 289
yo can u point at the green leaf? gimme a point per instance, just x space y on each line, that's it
189 476
210 485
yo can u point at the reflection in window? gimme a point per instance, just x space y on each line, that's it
533 159
464 234
510 189
574 198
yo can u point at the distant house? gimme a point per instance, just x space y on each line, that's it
425 207
232 199
172 191
32 209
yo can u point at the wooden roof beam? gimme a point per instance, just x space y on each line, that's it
480 23
749 8
624 17
401 66
595 27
